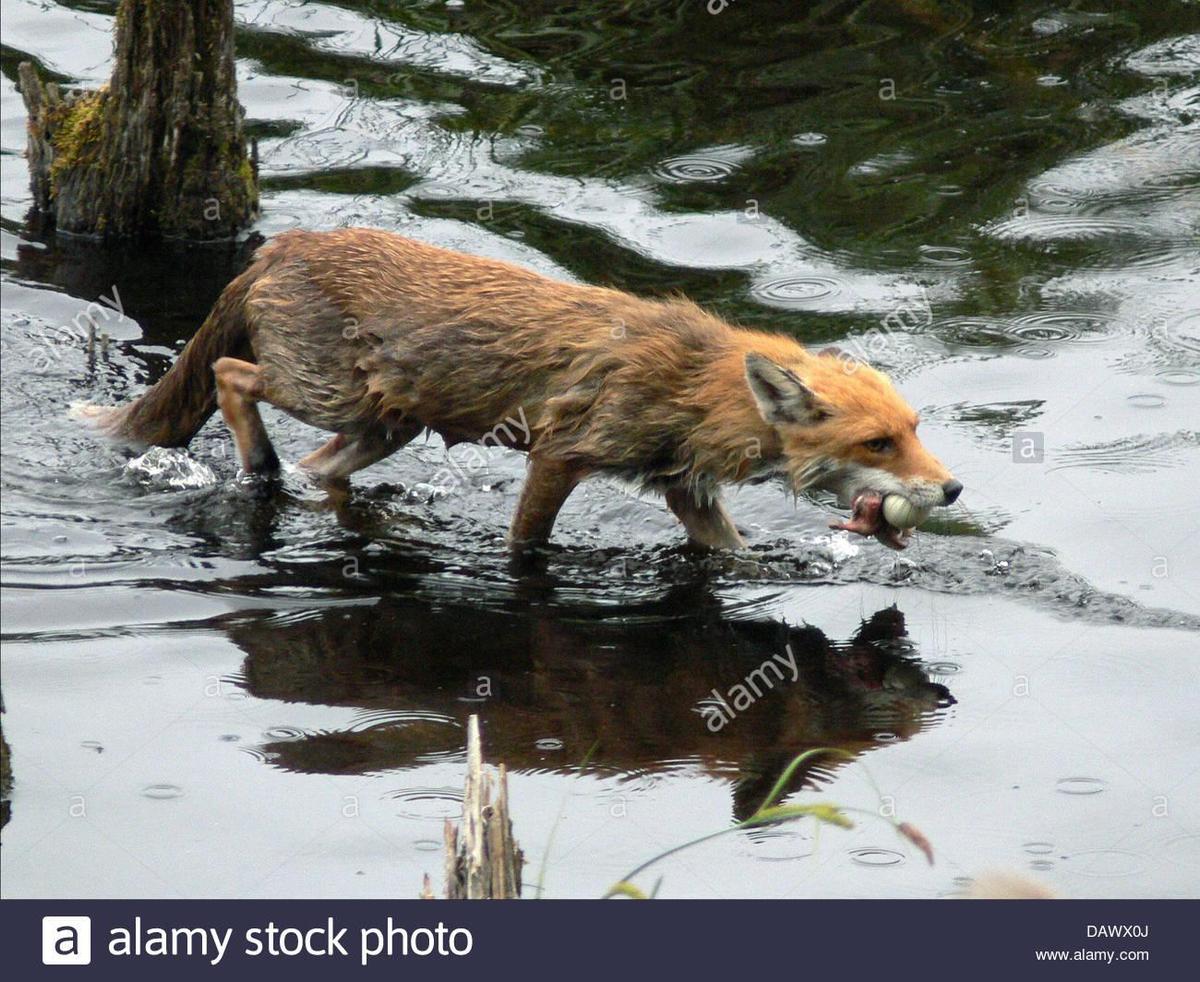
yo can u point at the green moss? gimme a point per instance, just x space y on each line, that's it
75 133
246 173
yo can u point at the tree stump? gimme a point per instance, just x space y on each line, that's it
159 150
484 863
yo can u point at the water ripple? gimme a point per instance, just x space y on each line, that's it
796 292
937 255
1105 862
1061 325
1129 455
427 804
1081 786
372 719
162 792
876 857
702 166
1180 333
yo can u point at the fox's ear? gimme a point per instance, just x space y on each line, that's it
780 395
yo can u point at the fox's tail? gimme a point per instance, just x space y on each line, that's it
169 413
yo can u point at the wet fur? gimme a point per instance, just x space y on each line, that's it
374 336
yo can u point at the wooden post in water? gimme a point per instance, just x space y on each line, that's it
159 150
483 862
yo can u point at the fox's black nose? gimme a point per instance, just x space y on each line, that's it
952 489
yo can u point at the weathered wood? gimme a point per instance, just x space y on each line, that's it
484 862
159 150
6 779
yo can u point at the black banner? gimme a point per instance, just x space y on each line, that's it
309 939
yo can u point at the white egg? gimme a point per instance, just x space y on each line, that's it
902 513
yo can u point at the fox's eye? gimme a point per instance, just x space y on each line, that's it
881 444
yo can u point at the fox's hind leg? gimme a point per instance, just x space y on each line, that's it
343 455
707 522
239 390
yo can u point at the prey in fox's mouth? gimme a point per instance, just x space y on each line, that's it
890 518
867 518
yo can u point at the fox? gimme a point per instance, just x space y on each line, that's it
378 338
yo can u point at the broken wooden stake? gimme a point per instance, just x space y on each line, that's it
483 862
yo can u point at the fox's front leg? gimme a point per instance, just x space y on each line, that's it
548 484
707 522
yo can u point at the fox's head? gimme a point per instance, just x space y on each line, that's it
844 428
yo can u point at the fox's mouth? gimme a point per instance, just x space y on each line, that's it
867 519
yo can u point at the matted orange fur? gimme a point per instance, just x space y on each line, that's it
377 337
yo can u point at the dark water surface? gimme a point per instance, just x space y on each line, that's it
216 691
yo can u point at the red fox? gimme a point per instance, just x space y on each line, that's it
377 338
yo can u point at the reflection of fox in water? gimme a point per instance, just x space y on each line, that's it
376 338
628 691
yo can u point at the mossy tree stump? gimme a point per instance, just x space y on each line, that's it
159 150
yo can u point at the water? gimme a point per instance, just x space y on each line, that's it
214 689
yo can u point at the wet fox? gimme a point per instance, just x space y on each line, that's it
377 338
